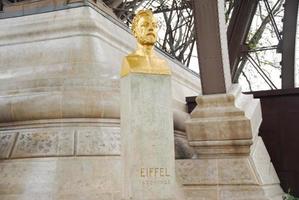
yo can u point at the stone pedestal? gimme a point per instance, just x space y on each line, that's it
218 128
232 161
147 137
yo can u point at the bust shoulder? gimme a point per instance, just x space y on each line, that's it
134 63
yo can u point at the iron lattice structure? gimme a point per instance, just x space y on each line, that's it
259 54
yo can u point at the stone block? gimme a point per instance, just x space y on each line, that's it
74 178
201 193
250 106
7 140
99 141
274 191
263 164
39 143
219 128
239 192
93 196
230 171
197 172
236 171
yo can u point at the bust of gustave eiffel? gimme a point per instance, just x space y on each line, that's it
143 59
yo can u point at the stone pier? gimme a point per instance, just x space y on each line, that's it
232 161
147 137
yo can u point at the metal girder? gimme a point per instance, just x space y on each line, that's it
288 44
251 43
210 56
261 72
113 3
238 29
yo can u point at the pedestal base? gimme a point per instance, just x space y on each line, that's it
233 163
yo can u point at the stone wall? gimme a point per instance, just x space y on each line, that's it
59 105
66 64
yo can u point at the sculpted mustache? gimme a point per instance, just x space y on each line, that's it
151 34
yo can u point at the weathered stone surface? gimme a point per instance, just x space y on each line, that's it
263 164
216 118
213 192
44 143
236 192
201 193
6 143
218 127
71 178
250 106
56 137
236 171
61 178
197 172
239 192
99 141
202 172
274 191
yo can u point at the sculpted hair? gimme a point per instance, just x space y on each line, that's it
140 14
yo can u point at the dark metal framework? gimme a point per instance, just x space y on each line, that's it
244 42
238 28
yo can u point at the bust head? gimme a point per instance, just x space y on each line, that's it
144 27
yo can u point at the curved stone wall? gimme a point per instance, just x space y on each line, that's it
66 64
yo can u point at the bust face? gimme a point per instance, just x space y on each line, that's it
146 30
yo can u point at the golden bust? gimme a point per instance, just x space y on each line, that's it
143 60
